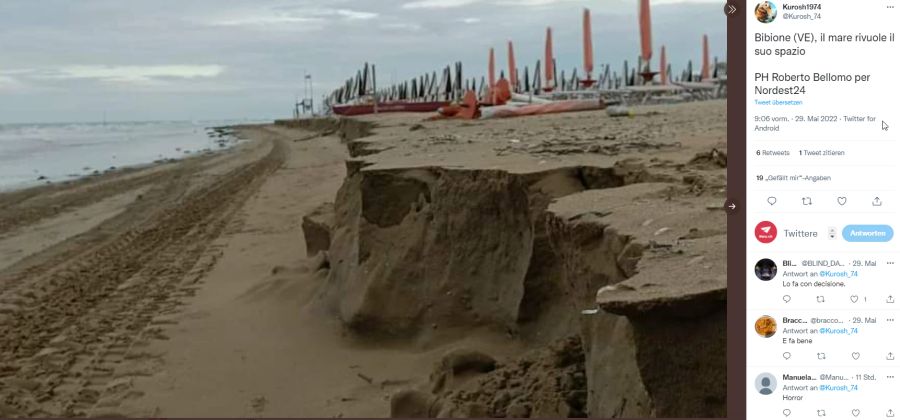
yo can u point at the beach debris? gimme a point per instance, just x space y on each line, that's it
394 382
696 260
467 109
365 378
619 111
712 159
695 233
612 289
443 139
554 107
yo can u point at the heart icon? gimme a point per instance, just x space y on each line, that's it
842 200
786 355
786 412
855 412
855 355
854 298
772 201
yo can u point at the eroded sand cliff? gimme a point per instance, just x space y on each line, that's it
519 227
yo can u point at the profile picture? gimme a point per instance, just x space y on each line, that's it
766 326
766 12
765 269
765 383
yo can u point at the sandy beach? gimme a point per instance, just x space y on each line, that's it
381 266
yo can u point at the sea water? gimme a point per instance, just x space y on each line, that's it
32 154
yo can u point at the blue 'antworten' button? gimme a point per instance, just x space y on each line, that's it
868 233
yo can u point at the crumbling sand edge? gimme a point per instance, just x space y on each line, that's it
376 210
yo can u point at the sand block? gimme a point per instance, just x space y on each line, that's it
429 247
411 404
317 229
657 272
545 383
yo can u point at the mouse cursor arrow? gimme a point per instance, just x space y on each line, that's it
884 126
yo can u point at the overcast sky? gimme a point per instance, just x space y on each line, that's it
74 60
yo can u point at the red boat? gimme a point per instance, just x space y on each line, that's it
365 109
